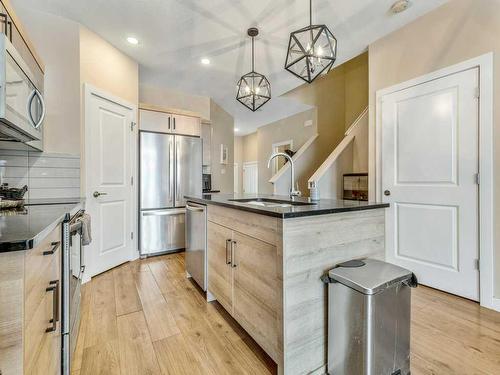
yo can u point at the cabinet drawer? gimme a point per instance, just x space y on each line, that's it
41 266
264 228
36 347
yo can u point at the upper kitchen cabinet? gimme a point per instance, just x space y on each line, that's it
157 121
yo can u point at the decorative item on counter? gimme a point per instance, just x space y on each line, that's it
355 186
314 194
12 193
254 89
312 51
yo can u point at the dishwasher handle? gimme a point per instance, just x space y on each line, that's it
194 208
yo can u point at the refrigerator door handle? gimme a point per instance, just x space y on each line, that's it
171 172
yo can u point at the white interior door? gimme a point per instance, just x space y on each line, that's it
250 178
429 168
109 191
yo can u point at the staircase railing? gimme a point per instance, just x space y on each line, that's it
301 159
338 161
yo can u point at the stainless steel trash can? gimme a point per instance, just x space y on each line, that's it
369 318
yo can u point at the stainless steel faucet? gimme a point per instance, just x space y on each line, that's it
293 193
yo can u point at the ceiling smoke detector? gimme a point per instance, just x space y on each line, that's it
400 6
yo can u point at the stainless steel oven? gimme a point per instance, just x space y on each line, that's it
73 267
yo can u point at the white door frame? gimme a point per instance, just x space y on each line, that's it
90 90
236 178
486 209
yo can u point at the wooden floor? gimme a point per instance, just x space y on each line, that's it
144 317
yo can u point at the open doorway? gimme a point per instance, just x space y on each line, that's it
285 147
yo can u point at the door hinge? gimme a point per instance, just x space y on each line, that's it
476 264
476 93
132 124
476 178
131 235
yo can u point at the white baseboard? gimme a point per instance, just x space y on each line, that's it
495 304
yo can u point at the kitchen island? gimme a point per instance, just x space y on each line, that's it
266 256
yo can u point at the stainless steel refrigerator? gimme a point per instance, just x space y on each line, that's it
170 167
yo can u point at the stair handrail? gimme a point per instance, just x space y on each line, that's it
295 157
335 154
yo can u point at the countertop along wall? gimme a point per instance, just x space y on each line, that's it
452 33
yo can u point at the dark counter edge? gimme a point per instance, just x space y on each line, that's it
287 215
30 243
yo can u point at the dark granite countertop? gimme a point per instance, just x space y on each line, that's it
26 229
321 207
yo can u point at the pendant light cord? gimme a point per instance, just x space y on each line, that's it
253 58
310 13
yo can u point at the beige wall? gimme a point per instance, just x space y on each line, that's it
107 68
222 133
250 148
457 31
291 128
62 77
339 98
175 100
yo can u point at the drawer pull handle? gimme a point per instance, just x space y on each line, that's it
55 246
233 254
54 288
228 255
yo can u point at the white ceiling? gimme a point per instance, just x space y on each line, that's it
175 34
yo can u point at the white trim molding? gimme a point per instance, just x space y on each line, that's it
486 171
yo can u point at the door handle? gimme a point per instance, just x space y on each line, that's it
174 123
55 246
233 254
228 255
387 193
98 194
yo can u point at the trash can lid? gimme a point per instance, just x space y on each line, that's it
371 278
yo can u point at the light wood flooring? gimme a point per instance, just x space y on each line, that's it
145 317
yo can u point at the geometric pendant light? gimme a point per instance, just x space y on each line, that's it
254 89
312 51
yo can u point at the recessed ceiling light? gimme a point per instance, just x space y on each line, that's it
400 6
236 130
132 40
205 61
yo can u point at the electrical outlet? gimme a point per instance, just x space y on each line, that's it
308 123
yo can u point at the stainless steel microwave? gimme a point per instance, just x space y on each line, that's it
22 107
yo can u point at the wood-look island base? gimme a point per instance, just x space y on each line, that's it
265 271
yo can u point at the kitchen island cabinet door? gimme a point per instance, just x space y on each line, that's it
255 288
220 278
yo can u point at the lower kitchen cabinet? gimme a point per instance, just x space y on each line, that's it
254 289
31 278
220 273
242 276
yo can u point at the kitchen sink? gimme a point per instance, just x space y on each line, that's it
268 202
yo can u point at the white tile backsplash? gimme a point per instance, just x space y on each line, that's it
47 175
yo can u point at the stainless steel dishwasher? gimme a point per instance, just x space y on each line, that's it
196 243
